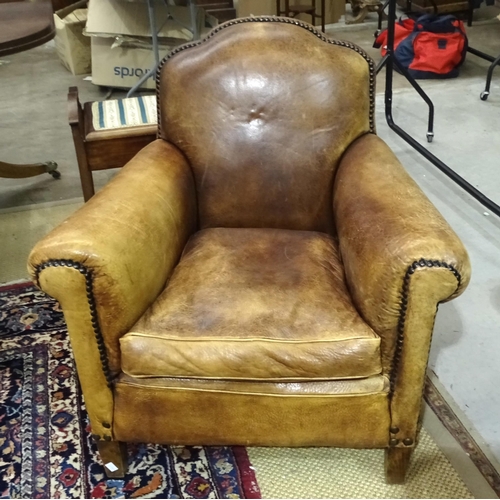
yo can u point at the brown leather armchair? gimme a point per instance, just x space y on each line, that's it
264 273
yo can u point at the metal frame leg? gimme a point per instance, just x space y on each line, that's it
154 37
323 15
380 13
470 13
156 52
486 92
494 63
192 15
424 96
388 61
484 200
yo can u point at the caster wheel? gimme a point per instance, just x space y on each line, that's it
484 95
51 169
430 136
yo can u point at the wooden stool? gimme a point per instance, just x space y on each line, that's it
107 134
310 9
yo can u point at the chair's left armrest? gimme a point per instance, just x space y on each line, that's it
388 228
401 259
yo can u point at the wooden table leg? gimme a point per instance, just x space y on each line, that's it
12 171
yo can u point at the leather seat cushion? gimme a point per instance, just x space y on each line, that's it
254 304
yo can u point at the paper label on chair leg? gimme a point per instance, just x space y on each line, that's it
111 467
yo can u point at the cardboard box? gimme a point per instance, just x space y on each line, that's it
334 9
121 67
121 42
73 48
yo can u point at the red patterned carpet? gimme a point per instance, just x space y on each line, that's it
45 445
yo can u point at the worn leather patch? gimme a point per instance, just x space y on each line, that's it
264 135
254 304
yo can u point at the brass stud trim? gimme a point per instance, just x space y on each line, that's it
94 319
393 442
394 430
408 441
106 425
404 306
273 19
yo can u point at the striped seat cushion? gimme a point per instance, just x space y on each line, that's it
122 113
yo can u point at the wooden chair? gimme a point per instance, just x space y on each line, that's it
100 144
295 10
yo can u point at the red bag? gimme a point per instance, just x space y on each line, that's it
402 29
450 53
430 47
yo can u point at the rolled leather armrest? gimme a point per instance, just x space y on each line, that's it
389 232
123 243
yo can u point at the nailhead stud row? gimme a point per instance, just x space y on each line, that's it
273 19
404 306
92 306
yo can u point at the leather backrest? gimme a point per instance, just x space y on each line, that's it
263 110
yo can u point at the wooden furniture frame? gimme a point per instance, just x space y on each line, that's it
102 149
295 10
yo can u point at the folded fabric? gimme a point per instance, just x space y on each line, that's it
121 113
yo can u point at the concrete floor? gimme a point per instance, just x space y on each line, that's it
33 127
466 342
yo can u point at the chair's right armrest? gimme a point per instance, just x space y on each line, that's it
110 260
129 237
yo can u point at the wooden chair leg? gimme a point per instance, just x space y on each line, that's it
86 178
12 171
114 457
76 122
396 464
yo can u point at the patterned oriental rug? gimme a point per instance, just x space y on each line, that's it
45 445
46 450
